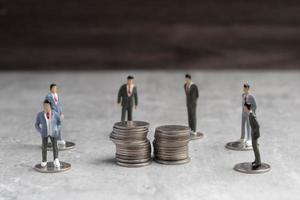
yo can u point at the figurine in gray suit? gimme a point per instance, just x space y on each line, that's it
191 91
128 98
247 98
56 105
47 124
255 135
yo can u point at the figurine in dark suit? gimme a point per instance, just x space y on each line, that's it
255 134
192 95
128 98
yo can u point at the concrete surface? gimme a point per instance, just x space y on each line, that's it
90 111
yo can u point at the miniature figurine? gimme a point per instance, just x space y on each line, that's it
247 98
257 166
56 105
255 134
128 98
191 91
47 124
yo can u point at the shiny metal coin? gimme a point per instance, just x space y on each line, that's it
177 162
196 137
131 125
51 169
246 168
134 165
172 128
171 144
238 146
133 149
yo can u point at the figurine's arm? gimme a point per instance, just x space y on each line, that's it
37 124
120 95
253 104
255 125
197 92
136 97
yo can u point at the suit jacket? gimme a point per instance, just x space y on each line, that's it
254 125
56 107
192 95
252 101
41 124
125 99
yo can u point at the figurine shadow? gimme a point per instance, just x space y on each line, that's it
109 161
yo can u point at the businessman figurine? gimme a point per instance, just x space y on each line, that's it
56 105
128 98
257 166
191 91
47 124
244 143
255 134
247 98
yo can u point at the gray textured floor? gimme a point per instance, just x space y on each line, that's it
90 111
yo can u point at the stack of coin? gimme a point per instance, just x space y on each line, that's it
133 147
171 144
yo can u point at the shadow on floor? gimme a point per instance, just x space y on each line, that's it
106 161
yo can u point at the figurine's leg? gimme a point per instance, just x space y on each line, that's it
189 116
123 114
243 126
44 149
193 119
256 151
129 113
55 148
59 133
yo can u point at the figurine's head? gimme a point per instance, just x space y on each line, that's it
53 88
188 78
46 105
246 88
247 107
130 80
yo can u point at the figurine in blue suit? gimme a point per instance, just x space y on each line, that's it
56 105
47 124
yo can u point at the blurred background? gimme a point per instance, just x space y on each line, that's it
135 34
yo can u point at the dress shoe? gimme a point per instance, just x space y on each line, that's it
56 163
248 143
43 164
256 167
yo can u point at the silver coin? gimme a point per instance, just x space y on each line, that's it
133 149
131 125
134 165
171 144
50 168
247 168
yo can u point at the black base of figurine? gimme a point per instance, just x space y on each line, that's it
68 146
196 137
131 165
177 162
51 169
238 146
247 168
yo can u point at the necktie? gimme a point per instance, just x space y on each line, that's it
48 115
245 99
129 91
187 88
55 98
